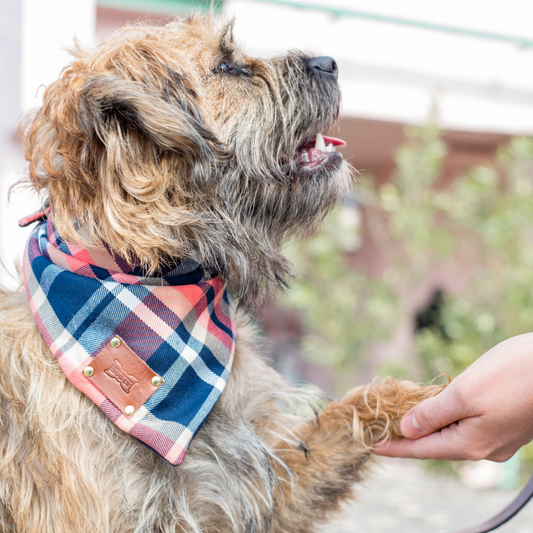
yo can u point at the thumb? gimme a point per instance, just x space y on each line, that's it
432 415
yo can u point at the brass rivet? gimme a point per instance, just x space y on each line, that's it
88 371
129 410
115 343
156 381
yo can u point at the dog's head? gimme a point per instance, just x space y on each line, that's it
169 142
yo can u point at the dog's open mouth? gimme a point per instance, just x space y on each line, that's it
318 151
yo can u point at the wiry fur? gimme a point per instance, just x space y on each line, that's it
145 144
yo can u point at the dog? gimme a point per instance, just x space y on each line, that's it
168 146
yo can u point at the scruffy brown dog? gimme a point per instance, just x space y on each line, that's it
169 142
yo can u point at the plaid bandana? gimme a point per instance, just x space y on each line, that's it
175 335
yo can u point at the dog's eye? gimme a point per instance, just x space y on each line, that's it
231 68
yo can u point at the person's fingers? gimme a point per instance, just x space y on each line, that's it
444 445
434 413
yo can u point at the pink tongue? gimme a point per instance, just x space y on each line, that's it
334 141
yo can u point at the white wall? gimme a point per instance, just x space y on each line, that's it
34 34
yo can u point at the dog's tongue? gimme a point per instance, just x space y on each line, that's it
334 141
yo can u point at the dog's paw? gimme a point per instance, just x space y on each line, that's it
380 406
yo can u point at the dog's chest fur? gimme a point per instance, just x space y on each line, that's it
63 457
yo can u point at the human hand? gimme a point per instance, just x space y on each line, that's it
485 413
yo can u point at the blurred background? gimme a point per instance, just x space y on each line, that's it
428 263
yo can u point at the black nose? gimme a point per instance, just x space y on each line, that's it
323 65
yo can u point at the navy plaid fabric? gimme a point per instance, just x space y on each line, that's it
180 324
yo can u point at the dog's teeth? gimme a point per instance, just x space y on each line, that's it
330 148
305 157
319 143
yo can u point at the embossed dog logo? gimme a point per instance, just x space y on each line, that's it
119 374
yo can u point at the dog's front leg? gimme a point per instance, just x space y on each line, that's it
334 447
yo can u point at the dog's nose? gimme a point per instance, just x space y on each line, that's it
323 65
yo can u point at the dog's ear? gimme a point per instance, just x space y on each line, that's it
227 44
126 116
124 160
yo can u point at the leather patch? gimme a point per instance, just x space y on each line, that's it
122 376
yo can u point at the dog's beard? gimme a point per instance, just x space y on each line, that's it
298 204
295 188
291 202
